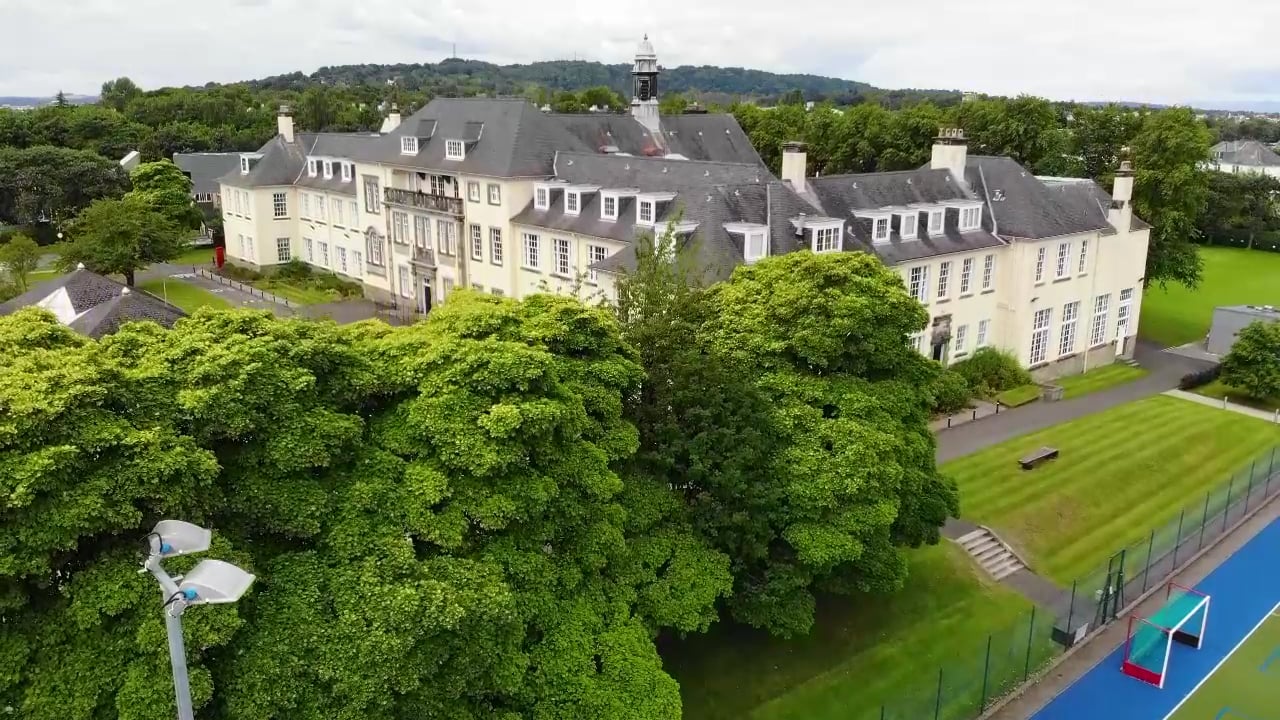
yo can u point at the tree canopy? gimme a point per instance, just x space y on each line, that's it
19 257
123 236
163 187
1253 364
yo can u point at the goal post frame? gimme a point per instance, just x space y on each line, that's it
1168 634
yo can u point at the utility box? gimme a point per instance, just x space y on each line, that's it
1229 320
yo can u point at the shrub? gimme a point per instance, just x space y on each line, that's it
1253 365
295 269
1200 378
990 371
950 393
243 274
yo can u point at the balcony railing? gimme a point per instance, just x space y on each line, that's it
424 201
424 256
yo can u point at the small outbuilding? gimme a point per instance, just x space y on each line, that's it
1229 320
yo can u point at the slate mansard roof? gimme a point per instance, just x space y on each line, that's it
711 137
1245 152
205 169
93 305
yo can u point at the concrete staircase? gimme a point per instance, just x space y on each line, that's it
990 553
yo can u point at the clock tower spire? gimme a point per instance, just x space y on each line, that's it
644 96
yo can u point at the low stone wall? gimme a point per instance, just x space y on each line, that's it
1076 364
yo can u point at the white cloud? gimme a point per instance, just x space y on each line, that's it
1148 50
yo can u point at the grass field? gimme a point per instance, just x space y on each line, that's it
1231 277
295 293
1120 474
1019 396
194 256
1245 686
1218 390
186 296
1103 378
860 654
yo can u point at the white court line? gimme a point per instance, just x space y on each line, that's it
1275 610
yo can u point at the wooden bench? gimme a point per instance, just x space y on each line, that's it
1037 457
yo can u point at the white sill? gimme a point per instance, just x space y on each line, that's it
966 295
530 269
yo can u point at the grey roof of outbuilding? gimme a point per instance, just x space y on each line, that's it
205 169
1246 152
101 304
716 138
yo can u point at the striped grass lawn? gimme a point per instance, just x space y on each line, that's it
1120 474
186 296
1103 378
1232 276
861 653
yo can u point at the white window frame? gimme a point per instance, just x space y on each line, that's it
284 253
309 246
826 239
408 145
455 150
962 338
916 342
405 276
495 194
966 277
595 254
1042 256
1083 266
880 229
1123 312
757 236
911 219
1063 268
1040 336
562 256
422 231
400 227
605 201
944 280
473 191
357 261
353 212
324 254
970 218
347 172
328 169
377 252
936 221
244 164
447 237
984 332
495 245
337 212
1101 312
1067 337
304 211
572 202
643 205
541 197
280 206
477 242
530 256
341 252
312 168
988 272
918 282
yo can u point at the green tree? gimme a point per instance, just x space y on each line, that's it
20 257
117 93
673 104
41 184
1253 365
1171 192
1099 135
60 100
121 237
163 187
846 474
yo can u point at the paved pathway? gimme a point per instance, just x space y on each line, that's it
186 274
1165 368
1226 405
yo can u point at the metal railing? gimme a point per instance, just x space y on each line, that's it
244 288
423 201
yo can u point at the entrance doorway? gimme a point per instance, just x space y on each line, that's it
424 297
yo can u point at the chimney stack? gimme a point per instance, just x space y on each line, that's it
393 120
794 164
1121 213
284 124
950 152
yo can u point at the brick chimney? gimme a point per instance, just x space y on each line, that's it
284 124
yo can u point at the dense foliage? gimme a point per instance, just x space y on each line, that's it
120 237
45 183
1242 211
991 370
1253 365
19 257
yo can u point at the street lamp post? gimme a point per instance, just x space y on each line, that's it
209 582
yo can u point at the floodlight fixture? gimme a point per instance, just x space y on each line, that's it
214 582
175 537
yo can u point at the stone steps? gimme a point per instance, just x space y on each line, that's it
992 555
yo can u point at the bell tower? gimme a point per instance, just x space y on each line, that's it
644 95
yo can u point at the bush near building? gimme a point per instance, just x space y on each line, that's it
990 371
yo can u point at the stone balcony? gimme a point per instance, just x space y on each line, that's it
423 201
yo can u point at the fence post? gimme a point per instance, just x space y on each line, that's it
1151 543
1031 633
986 671
1071 608
1270 470
1249 491
937 706
1204 521
1174 565
1226 509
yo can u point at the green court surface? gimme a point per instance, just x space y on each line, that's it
1246 686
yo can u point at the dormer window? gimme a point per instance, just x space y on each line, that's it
644 212
541 198
935 221
454 150
572 202
328 169
880 229
907 226
311 167
970 218
244 164
755 246
826 239
346 172
609 207
408 145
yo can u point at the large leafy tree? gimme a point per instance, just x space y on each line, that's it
53 184
432 512
1253 365
121 237
1171 192
163 187
19 257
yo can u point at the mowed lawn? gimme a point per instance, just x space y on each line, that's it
1103 378
186 296
862 652
1120 474
1231 277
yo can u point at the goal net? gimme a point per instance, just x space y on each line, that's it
1180 619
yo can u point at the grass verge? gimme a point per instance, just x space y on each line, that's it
186 296
1103 378
1232 276
1019 396
1218 390
1120 473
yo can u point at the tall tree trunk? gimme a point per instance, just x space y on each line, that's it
128 278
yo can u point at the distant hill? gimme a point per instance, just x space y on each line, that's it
25 102
460 77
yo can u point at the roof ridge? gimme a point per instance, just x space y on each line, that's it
645 158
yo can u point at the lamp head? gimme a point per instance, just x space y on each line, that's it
175 537
214 581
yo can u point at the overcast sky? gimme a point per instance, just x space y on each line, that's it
1165 51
